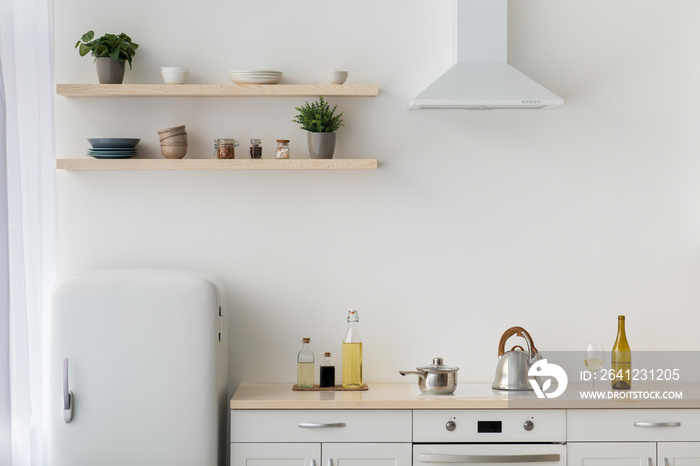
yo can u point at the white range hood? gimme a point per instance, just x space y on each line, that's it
481 78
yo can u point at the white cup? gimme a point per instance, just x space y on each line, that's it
174 74
336 76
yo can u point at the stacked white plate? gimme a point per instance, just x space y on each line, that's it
255 76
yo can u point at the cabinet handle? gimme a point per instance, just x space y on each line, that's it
485 459
666 462
313 463
650 462
67 395
310 425
657 424
330 462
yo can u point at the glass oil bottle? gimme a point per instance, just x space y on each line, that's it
352 353
305 365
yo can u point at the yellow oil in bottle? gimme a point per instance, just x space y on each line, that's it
305 374
305 365
352 365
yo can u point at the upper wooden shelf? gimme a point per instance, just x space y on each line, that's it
215 90
216 164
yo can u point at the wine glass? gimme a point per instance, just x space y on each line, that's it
595 358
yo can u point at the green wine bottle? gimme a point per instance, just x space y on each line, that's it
621 359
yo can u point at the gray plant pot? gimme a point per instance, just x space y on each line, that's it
110 71
321 145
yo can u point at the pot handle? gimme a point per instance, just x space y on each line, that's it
519 331
418 373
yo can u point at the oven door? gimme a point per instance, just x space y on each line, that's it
494 454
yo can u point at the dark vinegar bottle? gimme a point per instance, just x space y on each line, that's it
327 372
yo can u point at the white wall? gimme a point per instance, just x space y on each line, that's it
554 220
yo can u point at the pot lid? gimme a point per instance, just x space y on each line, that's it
438 367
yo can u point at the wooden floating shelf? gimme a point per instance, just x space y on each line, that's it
215 90
216 164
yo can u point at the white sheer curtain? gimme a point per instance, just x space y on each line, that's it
27 222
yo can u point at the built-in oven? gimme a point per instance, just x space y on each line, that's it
489 437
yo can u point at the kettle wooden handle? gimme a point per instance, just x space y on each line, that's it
519 331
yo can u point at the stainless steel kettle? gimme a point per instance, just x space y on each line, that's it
513 365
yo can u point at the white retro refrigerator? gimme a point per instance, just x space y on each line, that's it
137 370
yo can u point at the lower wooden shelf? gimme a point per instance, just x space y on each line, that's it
216 164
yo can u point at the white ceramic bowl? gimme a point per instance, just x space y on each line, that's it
336 76
174 74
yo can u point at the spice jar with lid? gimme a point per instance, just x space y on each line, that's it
283 148
255 149
224 148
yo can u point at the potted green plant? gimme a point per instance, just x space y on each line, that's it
321 122
111 51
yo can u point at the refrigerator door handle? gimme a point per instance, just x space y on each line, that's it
67 395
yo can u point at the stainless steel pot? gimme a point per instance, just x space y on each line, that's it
436 379
514 365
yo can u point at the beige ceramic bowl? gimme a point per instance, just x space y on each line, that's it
173 138
173 151
174 129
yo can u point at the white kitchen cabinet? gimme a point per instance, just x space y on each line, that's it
275 454
366 454
321 437
679 453
634 454
320 454
639 437
611 454
271 425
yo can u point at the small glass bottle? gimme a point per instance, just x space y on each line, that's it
327 372
255 149
352 353
224 148
305 365
283 148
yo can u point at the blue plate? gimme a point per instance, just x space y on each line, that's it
111 149
112 152
113 143
105 156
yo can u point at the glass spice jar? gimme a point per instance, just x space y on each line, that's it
224 148
283 148
255 149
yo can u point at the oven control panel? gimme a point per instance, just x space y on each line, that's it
489 426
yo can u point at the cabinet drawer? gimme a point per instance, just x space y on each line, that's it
600 425
320 425
276 454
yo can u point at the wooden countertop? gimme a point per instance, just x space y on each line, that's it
467 396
